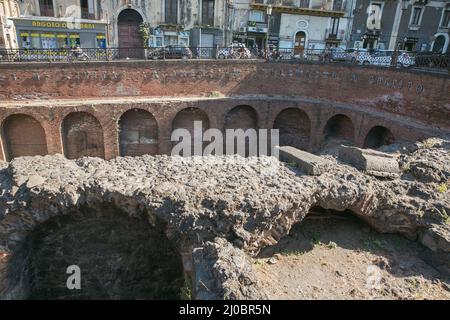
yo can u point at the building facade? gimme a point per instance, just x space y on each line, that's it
293 24
8 9
48 24
413 25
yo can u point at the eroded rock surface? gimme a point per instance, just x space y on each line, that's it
227 203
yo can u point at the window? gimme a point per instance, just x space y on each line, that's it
257 16
87 9
171 11
445 21
208 12
416 16
46 8
334 26
304 4
337 5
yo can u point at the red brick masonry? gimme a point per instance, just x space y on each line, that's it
410 104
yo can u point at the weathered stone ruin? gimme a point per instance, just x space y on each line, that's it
197 220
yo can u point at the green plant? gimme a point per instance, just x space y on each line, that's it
429 143
442 188
445 215
332 245
186 290
420 213
406 167
316 238
259 262
144 30
373 243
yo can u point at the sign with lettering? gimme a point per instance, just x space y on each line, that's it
58 24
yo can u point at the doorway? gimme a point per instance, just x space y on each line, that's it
130 43
300 43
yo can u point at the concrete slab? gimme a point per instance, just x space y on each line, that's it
307 162
372 162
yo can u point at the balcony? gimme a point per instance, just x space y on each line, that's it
334 35
321 8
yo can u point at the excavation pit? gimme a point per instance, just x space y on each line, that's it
119 257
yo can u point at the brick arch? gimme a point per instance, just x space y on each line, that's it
82 136
294 127
241 117
138 133
340 127
23 136
378 136
185 118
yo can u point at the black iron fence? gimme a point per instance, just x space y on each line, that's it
426 60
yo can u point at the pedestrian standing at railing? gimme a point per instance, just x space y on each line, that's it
327 54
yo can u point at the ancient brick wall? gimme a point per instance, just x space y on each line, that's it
420 96
294 126
138 133
24 136
215 110
185 119
409 105
82 136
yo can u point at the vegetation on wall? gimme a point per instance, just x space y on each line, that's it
144 30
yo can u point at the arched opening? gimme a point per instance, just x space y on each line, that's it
378 136
294 128
242 117
339 130
130 42
138 133
82 136
23 136
118 256
300 43
439 44
185 119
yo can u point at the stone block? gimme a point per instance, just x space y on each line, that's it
307 162
372 162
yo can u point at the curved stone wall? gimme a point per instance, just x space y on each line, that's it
407 104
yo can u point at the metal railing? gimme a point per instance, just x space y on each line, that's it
109 54
425 60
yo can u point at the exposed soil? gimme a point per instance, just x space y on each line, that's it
337 256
